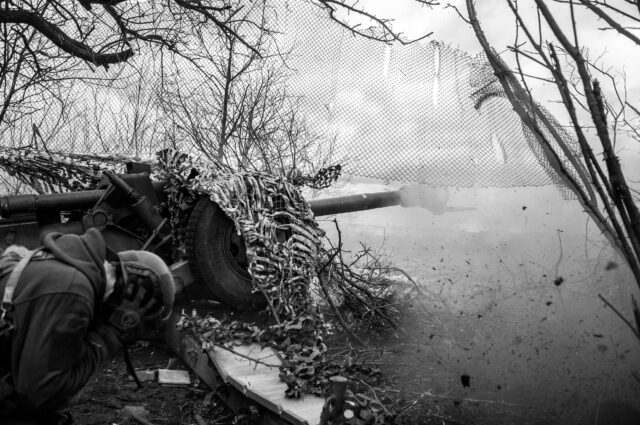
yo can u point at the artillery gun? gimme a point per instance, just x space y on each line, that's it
131 212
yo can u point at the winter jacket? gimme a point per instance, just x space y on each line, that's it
58 342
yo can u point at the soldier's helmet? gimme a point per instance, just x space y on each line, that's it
148 265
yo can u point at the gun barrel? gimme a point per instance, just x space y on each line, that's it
351 203
18 204
80 200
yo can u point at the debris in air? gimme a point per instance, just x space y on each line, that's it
611 265
558 281
466 380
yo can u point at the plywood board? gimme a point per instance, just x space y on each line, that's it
259 381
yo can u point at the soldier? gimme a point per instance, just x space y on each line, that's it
65 311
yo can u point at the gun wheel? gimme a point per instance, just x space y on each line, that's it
217 256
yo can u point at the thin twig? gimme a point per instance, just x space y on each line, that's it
274 314
624 319
343 323
399 270
245 356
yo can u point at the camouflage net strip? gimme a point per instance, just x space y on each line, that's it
53 172
266 210
282 240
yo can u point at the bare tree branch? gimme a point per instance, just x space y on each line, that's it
621 194
609 20
384 31
62 40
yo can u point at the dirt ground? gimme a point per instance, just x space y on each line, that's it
443 367
413 375
111 394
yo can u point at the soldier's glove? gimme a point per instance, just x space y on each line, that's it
137 309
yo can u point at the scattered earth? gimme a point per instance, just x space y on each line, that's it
439 368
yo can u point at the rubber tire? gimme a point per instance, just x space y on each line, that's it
209 243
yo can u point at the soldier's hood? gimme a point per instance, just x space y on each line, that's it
87 253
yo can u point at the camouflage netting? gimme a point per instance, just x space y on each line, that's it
262 207
51 172
424 112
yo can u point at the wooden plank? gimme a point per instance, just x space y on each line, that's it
259 381
250 381
191 351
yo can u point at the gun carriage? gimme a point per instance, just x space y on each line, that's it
131 212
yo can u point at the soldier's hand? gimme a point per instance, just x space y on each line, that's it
137 309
